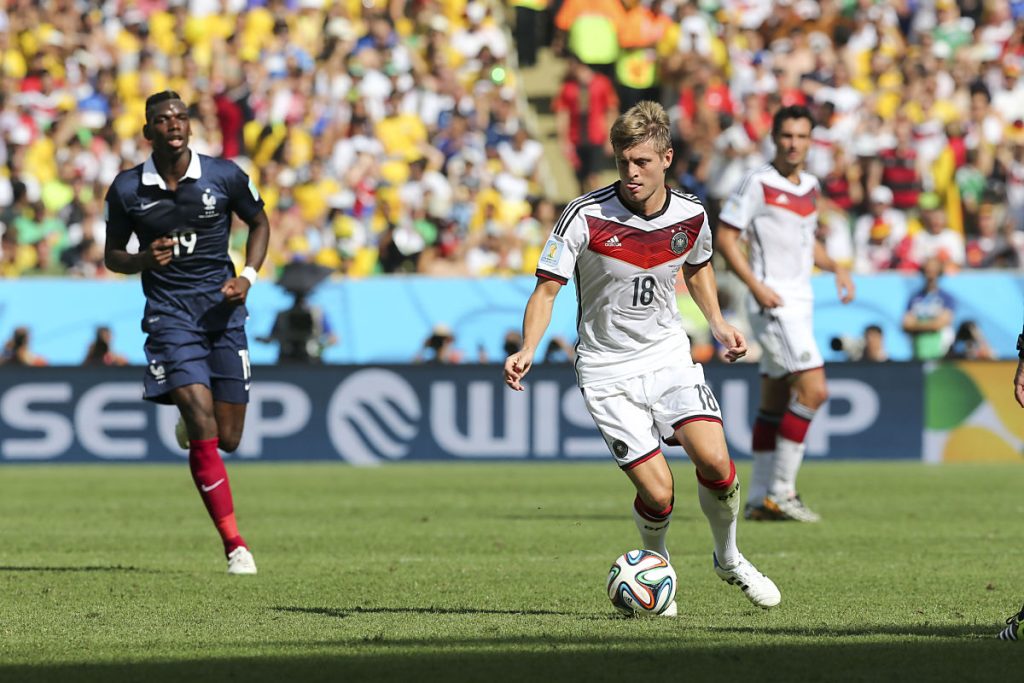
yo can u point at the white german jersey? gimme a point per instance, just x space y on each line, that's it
778 219
625 267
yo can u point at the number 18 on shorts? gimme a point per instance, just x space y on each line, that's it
633 414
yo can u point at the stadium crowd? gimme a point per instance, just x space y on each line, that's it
919 142
390 136
383 139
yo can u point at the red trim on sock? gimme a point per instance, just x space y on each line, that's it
763 435
647 513
794 427
641 460
721 483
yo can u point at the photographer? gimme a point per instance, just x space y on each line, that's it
16 351
302 332
871 347
439 347
559 350
969 343
100 351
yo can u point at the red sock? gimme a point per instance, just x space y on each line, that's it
718 484
796 422
650 513
212 482
766 426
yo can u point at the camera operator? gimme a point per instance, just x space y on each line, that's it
970 343
871 347
439 347
302 332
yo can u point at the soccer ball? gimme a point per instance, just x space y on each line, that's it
641 582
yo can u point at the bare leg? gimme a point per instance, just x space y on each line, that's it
652 508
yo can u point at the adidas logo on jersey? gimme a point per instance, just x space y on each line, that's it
613 242
783 199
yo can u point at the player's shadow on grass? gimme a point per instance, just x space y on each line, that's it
90 568
545 517
941 631
443 659
561 516
340 613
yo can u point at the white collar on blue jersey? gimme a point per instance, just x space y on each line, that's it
151 177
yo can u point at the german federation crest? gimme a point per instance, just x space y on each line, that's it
679 242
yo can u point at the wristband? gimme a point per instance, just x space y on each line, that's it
1020 346
250 274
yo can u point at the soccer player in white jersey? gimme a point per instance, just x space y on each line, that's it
774 209
625 245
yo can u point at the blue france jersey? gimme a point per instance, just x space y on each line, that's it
186 293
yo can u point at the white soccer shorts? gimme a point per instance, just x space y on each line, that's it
786 335
633 414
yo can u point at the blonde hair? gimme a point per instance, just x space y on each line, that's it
645 121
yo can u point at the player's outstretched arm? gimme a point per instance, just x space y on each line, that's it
844 283
236 289
700 281
727 241
535 323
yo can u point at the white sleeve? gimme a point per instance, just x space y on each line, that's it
567 241
702 248
862 232
742 205
958 253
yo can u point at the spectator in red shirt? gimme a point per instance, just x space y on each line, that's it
898 168
585 108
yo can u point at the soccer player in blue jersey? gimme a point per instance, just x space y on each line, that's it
179 204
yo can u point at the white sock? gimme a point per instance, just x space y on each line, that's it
788 456
653 529
761 477
722 506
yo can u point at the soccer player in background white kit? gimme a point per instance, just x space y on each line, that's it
1012 630
625 245
774 209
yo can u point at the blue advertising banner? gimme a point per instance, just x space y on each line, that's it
384 320
367 415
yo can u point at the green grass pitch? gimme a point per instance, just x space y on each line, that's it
496 572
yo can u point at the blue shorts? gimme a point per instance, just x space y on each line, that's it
218 360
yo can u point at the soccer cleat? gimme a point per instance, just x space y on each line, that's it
767 511
1012 626
794 508
670 611
758 588
240 561
181 433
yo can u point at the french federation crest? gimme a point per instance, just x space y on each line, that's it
679 242
209 204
